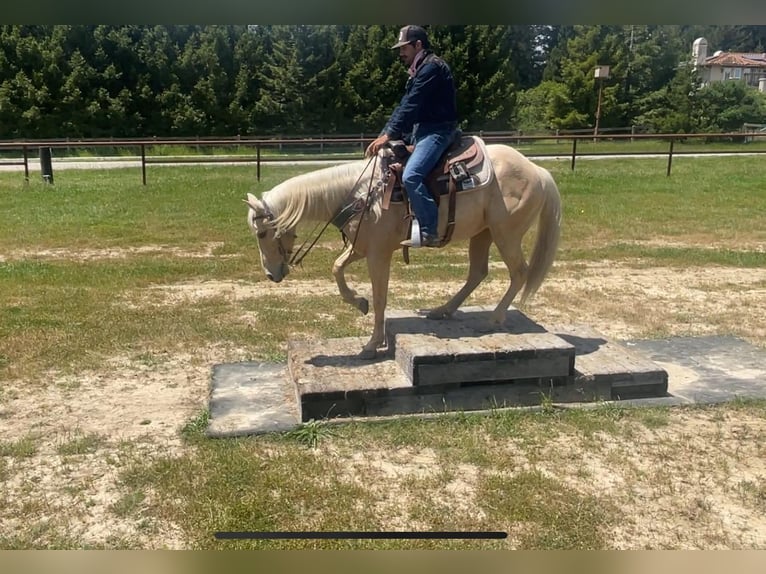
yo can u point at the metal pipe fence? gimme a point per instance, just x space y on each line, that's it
297 149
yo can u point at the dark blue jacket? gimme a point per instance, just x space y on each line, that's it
429 100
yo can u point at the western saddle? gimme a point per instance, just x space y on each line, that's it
457 170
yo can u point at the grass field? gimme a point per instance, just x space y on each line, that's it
117 299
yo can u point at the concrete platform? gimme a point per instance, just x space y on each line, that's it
324 379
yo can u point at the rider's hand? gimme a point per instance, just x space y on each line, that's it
376 144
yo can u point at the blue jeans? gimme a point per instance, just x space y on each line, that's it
429 148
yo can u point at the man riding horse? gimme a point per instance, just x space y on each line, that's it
427 111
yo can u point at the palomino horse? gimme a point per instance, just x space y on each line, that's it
519 194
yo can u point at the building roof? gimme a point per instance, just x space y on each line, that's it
737 59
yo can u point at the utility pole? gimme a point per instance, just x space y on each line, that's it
600 73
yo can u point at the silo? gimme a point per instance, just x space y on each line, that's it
699 51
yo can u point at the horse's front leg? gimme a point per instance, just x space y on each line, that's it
339 272
379 267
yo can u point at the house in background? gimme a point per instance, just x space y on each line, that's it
722 66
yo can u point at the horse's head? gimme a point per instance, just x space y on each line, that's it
275 247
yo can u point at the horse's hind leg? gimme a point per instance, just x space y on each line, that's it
478 268
513 256
339 272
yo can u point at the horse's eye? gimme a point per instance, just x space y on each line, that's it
261 234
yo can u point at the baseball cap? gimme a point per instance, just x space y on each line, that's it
410 35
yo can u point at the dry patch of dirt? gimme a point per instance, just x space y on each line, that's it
682 486
701 242
134 409
390 474
696 482
91 254
623 301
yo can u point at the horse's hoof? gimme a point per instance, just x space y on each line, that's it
364 306
368 354
438 314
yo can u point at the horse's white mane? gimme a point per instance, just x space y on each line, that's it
316 195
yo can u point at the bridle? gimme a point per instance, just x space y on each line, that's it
303 250
268 215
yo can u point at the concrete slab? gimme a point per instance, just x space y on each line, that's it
251 398
708 369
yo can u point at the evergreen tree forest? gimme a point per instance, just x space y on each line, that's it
94 81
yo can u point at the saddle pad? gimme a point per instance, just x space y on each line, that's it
480 172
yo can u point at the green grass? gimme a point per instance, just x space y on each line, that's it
279 483
80 444
22 448
249 484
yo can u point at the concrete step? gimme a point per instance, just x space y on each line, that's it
625 373
469 349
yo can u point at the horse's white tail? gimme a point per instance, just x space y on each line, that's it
547 240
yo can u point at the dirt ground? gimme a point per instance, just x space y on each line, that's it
712 495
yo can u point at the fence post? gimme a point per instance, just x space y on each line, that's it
143 163
670 156
46 164
258 162
26 164
574 151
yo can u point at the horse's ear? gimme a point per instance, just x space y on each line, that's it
254 203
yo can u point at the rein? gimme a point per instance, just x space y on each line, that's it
302 251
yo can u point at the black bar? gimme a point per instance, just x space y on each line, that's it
670 156
143 163
360 535
26 164
46 164
574 152
258 167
